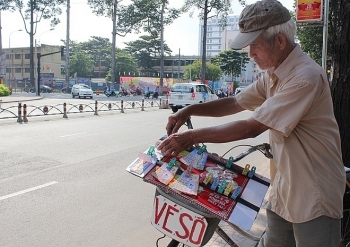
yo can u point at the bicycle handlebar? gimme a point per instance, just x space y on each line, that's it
264 148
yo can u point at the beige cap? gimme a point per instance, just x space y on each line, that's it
257 17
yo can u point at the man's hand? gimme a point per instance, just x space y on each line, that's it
175 121
176 143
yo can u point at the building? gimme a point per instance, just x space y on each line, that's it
174 66
218 40
17 64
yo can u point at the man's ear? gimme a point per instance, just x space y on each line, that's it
280 41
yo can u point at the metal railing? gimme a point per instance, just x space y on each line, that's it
22 112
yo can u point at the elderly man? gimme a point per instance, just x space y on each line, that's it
292 100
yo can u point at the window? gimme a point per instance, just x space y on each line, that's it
26 70
168 62
17 56
27 56
18 70
8 56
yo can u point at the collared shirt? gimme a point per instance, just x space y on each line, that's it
304 138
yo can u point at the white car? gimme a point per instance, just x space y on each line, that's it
82 91
183 94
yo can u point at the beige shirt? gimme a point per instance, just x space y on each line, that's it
304 138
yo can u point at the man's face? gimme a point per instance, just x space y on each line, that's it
265 55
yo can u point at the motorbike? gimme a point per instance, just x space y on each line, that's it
110 93
147 94
155 95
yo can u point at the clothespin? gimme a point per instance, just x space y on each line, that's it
252 172
228 189
171 163
229 162
246 169
236 192
202 149
208 178
151 151
222 187
215 183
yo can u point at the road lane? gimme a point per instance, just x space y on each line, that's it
95 202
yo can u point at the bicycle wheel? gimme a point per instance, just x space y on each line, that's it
345 229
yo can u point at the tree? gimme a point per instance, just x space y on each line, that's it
231 62
219 7
125 65
146 50
140 15
30 10
82 64
340 54
310 38
99 49
194 71
151 16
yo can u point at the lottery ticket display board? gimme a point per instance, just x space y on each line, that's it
216 185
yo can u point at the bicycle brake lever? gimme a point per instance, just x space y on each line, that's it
265 149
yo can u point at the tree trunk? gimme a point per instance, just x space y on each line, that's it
204 43
340 84
161 76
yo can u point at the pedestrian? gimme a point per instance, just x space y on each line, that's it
292 101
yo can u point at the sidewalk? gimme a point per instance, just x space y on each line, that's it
19 98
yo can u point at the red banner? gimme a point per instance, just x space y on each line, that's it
309 10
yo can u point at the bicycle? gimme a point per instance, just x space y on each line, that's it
213 221
264 149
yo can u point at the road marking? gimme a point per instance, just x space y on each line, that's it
27 190
74 134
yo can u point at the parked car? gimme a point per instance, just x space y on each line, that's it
183 94
67 89
43 89
82 91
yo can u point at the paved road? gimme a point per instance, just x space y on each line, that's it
63 182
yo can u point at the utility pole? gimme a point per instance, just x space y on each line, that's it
178 66
114 34
67 43
2 56
31 36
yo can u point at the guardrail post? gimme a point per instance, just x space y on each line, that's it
122 106
0 103
25 113
65 110
143 104
96 108
19 119
167 102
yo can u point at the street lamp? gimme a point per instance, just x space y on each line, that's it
36 59
10 62
45 32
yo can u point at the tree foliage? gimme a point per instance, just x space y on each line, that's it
82 64
231 62
99 50
125 65
145 51
42 9
194 71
